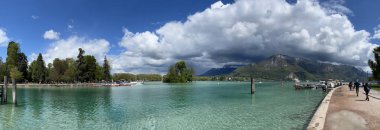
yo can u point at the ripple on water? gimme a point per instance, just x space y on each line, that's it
200 105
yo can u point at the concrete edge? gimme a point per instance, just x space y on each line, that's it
319 118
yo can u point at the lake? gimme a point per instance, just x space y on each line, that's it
155 105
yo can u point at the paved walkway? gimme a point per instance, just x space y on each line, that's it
349 112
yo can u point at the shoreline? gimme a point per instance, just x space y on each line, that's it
317 122
36 85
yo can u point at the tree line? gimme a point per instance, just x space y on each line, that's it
135 77
83 69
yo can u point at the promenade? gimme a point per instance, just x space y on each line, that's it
347 111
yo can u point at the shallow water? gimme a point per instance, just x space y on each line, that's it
199 105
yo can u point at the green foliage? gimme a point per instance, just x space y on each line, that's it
89 68
13 51
133 77
69 75
106 70
37 70
23 65
99 73
179 73
2 69
15 74
80 69
375 65
15 58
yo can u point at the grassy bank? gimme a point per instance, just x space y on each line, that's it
375 87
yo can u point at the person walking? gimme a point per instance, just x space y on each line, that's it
367 88
357 85
350 85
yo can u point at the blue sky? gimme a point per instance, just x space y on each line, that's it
89 18
119 25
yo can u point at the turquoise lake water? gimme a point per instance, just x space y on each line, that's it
199 105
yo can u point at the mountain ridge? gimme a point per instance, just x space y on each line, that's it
283 67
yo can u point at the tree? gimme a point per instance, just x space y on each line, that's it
70 73
38 70
99 75
23 65
57 70
2 68
375 65
106 70
15 74
89 68
80 66
179 73
13 51
15 58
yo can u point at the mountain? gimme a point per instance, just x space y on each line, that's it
227 69
282 67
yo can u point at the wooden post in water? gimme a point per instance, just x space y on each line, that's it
252 85
5 89
14 91
2 93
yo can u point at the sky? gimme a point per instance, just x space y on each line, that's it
146 36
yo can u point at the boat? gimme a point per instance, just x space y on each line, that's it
137 83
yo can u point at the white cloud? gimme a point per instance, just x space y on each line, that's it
68 48
247 31
70 26
35 17
51 35
336 6
3 38
376 34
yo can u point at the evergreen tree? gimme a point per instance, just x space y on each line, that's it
23 66
375 65
89 68
13 51
38 70
106 70
80 69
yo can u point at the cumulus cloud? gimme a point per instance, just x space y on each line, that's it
336 6
3 38
51 35
247 31
376 35
68 48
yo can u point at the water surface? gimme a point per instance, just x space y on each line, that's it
199 105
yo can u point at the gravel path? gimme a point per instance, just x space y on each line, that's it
349 112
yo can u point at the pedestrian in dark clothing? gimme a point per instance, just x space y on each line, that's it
357 85
367 88
350 85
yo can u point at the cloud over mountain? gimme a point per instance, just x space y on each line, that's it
248 31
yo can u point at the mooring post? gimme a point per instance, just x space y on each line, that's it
252 85
5 98
14 91
2 93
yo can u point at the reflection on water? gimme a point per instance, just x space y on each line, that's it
200 105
